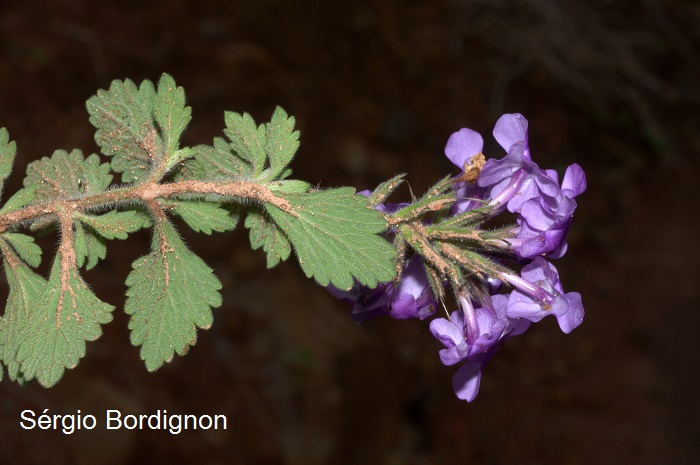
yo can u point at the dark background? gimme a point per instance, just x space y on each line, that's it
377 87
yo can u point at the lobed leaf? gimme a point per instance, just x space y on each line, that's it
126 131
61 319
281 140
218 162
203 216
265 233
90 248
116 224
247 139
24 246
8 150
26 287
335 237
171 114
66 175
171 292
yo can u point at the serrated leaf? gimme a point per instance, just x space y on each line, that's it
26 288
126 131
67 175
8 150
293 186
171 292
20 199
203 216
89 247
217 162
116 224
247 139
281 140
171 115
265 233
335 237
25 247
63 318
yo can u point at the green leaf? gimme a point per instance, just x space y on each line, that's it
89 247
26 288
126 131
203 216
66 175
116 224
170 294
63 318
8 150
335 237
215 163
20 199
265 233
172 116
247 139
293 186
281 140
25 247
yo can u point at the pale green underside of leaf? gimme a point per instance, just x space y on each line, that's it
67 175
26 288
116 224
61 320
335 237
89 247
171 292
25 247
203 216
265 233
123 117
8 150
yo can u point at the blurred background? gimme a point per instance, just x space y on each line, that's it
377 87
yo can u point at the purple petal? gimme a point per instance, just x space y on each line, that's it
574 179
467 380
462 145
446 332
510 129
574 316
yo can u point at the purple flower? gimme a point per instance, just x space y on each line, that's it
411 297
514 179
460 148
474 335
538 293
545 221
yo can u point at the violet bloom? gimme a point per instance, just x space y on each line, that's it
411 297
514 179
538 293
474 335
544 222
461 147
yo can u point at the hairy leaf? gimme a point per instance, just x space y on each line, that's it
89 247
247 139
63 318
20 199
8 150
218 162
26 288
335 237
171 292
67 175
203 216
116 224
171 113
281 141
265 233
126 131
24 246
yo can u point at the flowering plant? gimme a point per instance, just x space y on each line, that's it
395 259
442 243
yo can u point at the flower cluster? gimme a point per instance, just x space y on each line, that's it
495 302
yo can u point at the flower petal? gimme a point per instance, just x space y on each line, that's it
467 380
510 129
462 145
